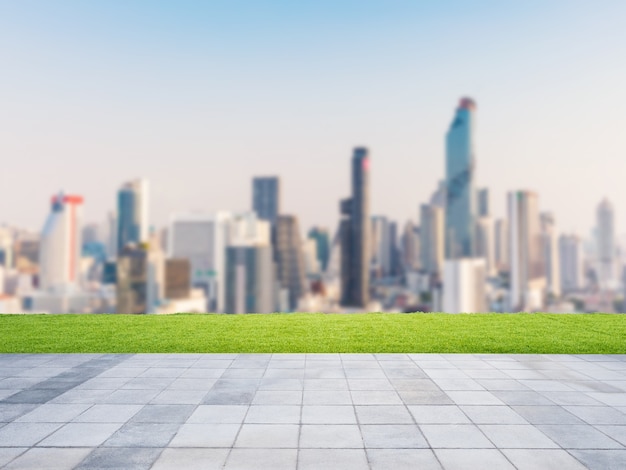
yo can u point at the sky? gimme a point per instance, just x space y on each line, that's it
200 96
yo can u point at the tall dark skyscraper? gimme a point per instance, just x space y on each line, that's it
355 235
266 198
461 210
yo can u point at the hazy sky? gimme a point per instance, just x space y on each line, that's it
199 96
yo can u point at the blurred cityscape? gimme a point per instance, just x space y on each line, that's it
455 256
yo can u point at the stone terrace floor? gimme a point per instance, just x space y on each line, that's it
312 411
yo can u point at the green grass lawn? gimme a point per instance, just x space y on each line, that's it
282 333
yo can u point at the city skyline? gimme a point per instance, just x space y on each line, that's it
75 99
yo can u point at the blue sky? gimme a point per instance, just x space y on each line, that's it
199 96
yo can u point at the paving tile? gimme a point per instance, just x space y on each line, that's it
268 436
438 414
474 398
10 412
455 436
328 414
405 373
7 454
601 459
281 384
529 397
191 459
179 397
326 384
547 415
458 384
218 414
392 436
143 435
342 436
262 459
365 374
89 397
383 414
25 434
571 398
425 398
50 459
377 397
229 397
336 459
108 414
243 373
104 383
492 415
615 432
273 414
578 437
148 383
120 459
324 373
53 413
273 397
205 435
163 414
544 459
473 459
410 385
403 459
283 374
321 397
131 397
81 435
191 384
517 436
612 399
502 384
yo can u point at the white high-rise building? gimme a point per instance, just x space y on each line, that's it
381 246
485 243
549 241
203 239
605 230
60 249
432 238
528 281
311 262
464 289
571 260
502 245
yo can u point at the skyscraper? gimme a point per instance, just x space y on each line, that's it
266 198
461 210
571 263
483 202
432 238
550 247
355 235
290 258
502 245
528 280
132 213
249 279
322 242
60 248
605 229
485 243
464 285
203 239
410 242
381 247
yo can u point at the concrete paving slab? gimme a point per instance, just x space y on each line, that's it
371 411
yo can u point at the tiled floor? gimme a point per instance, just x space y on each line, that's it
312 411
